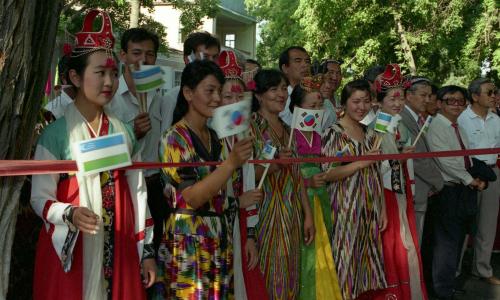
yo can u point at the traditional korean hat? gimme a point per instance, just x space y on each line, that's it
312 83
391 78
88 41
229 65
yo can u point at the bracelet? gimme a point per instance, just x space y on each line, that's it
68 217
251 234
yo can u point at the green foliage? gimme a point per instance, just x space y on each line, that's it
192 13
449 39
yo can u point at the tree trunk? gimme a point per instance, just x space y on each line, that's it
135 8
404 44
27 37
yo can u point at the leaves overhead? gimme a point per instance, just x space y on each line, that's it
449 39
192 13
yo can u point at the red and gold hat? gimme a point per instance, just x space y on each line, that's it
229 65
87 41
391 78
312 83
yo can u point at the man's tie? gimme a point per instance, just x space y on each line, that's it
421 121
466 158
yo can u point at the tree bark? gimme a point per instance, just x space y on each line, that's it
135 8
27 37
405 46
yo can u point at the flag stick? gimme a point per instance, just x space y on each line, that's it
291 137
418 136
261 182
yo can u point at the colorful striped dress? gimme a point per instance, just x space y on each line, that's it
196 251
318 277
279 228
355 203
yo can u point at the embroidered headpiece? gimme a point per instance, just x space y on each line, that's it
88 41
391 78
312 83
229 65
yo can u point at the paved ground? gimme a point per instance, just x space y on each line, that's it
476 289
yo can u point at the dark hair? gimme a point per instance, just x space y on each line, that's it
434 89
194 73
253 61
195 39
137 35
475 85
285 55
372 73
62 68
297 97
451 89
353 86
325 62
416 81
80 63
264 80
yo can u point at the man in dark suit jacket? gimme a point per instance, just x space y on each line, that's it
428 179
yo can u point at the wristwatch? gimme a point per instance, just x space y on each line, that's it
68 217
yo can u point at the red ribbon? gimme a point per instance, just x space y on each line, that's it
28 167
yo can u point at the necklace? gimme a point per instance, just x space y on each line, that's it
198 134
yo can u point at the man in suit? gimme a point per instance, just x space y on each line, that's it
428 179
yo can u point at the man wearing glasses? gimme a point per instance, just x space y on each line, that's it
454 207
482 128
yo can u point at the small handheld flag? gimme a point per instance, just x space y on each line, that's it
383 121
394 124
306 120
267 153
102 154
148 78
232 119
368 119
424 129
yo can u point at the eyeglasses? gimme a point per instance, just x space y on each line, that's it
490 93
455 101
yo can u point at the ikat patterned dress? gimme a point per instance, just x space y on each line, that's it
279 229
356 204
196 250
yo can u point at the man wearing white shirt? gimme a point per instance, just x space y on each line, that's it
198 45
455 206
295 63
141 46
482 129
57 105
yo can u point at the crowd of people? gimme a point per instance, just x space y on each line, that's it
366 229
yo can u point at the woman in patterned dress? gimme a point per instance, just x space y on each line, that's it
242 195
98 231
402 261
196 249
280 213
356 197
318 277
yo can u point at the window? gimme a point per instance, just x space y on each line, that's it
230 40
177 78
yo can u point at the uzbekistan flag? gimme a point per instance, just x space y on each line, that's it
426 125
148 78
383 121
102 154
